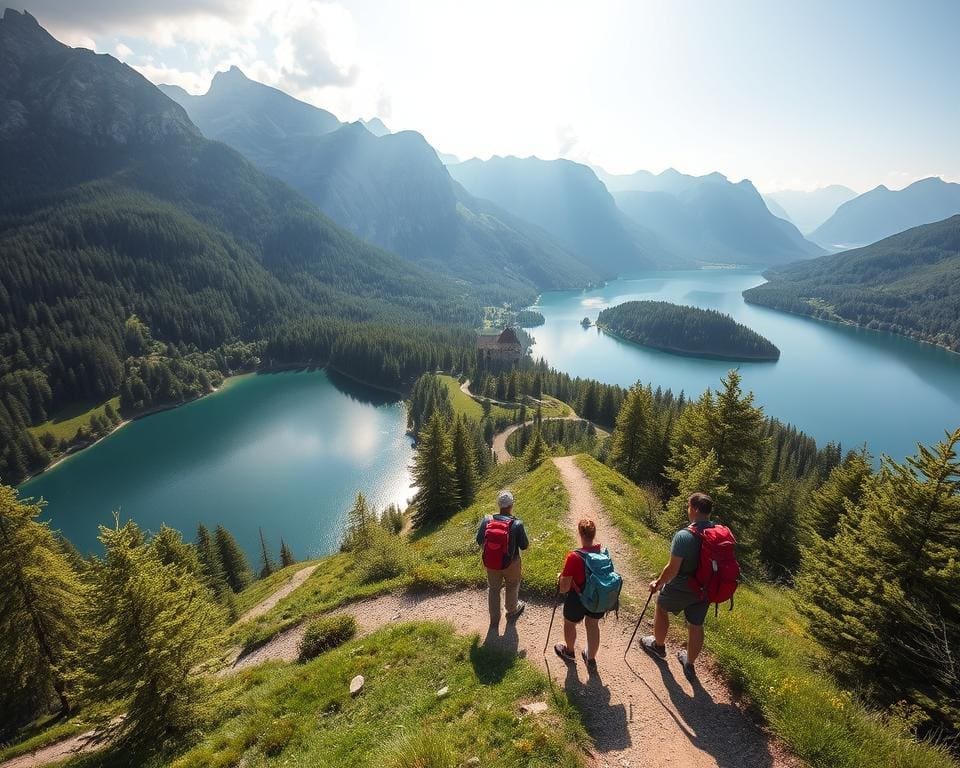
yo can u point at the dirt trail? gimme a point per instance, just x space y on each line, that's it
500 439
267 603
80 744
639 712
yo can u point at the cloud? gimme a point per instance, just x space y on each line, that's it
123 51
130 16
567 138
316 46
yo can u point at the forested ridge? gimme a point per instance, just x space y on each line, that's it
686 330
115 213
907 284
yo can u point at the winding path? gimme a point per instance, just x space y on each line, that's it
639 712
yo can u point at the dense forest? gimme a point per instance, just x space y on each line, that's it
907 284
148 262
686 331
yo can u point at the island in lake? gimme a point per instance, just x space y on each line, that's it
683 330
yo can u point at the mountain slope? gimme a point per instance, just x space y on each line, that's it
908 284
882 212
568 201
808 210
113 205
709 219
391 190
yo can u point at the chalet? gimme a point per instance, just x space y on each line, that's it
504 349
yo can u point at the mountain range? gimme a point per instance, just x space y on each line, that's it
571 203
708 219
908 283
391 189
882 212
808 210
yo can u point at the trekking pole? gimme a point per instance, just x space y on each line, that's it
645 606
556 602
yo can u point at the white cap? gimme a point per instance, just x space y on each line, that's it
504 499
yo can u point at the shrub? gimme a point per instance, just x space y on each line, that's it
385 557
325 633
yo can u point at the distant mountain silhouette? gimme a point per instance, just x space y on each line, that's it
570 202
776 209
882 212
908 283
808 210
709 219
391 190
376 126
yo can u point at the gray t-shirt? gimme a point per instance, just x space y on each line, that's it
687 546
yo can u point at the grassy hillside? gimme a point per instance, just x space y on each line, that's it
303 714
764 650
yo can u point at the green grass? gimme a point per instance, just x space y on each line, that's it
263 588
64 424
471 408
301 715
763 648
443 556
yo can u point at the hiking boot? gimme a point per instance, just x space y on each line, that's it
591 663
561 650
649 644
516 614
685 663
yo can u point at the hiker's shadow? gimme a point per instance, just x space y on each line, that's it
721 730
606 722
497 654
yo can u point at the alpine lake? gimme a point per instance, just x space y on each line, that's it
287 452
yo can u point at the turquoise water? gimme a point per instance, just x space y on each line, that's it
833 382
285 451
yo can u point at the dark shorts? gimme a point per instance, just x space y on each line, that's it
574 611
674 600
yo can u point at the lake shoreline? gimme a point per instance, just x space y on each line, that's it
684 353
851 324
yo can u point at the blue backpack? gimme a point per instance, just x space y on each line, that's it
601 592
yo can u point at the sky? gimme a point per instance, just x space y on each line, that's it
792 95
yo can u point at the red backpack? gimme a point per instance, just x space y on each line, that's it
496 543
718 574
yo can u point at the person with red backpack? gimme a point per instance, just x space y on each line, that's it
502 537
702 570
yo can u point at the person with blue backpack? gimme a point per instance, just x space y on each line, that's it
592 587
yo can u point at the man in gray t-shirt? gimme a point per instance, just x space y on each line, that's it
676 595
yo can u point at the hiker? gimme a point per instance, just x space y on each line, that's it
593 561
502 537
676 591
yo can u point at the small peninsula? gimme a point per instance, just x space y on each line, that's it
688 331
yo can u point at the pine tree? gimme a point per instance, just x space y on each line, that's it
696 472
843 487
360 520
779 529
435 475
286 555
882 594
537 450
169 547
40 596
154 623
236 569
211 567
731 426
464 461
268 566
632 452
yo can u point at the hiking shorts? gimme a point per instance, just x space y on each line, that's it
574 611
674 600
